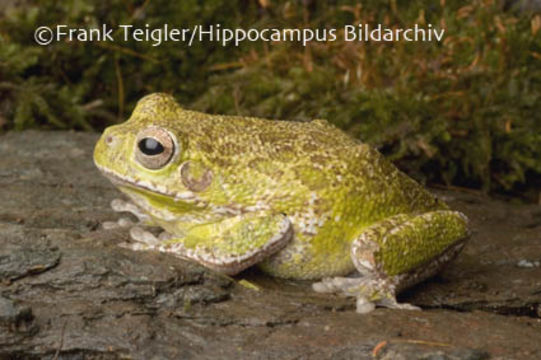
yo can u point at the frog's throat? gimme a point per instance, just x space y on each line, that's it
118 180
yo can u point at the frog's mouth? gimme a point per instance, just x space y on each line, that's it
150 188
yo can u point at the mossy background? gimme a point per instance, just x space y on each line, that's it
462 112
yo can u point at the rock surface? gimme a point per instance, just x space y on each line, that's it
67 291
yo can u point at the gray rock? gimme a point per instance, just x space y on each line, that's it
67 291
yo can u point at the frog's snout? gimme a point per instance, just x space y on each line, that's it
109 139
107 144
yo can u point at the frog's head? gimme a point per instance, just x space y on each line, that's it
147 157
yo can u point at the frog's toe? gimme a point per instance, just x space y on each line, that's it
391 303
364 306
322 287
120 205
120 223
108 225
165 236
134 246
142 236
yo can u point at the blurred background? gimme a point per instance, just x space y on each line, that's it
463 113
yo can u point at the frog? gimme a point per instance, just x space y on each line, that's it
300 200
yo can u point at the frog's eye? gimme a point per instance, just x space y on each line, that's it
154 148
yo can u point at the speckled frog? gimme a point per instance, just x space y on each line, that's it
300 200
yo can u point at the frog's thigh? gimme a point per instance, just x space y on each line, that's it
403 243
234 244
399 252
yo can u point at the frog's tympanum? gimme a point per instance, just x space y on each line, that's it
300 200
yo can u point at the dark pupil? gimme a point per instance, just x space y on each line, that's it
150 146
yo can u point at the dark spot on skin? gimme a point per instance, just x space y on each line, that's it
283 156
254 163
319 159
205 147
230 148
286 148
309 147
222 162
267 138
277 174
276 137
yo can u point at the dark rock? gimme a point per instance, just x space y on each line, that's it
12 315
69 292
18 263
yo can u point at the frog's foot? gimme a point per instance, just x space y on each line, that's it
368 290
120 205
145 240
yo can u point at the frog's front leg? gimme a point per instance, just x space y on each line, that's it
399 252
227 246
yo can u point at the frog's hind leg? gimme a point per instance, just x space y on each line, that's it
399 252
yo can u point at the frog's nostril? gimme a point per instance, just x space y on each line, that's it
109 139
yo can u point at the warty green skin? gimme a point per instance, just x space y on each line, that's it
331 188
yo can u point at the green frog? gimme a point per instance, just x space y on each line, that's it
300 200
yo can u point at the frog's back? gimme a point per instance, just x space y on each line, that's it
236 135
291 161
